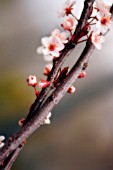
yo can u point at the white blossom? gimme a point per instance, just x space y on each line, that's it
32 80
52 46
103 23
97 39
70 23
66 8
102 7
62 36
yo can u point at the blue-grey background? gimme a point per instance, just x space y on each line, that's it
81 133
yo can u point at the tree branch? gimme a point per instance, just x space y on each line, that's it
56 96
63 56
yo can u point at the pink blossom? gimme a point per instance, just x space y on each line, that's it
103 23
66 8
62 36
32 81
71 89
47 69
97 39
47 119
52 46
102 8
69 24
1 139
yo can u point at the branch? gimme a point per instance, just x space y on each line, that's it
56 96
38 119
63 56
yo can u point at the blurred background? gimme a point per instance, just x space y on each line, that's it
80 136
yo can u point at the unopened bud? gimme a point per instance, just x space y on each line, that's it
32 81
71 89
21 122
82 75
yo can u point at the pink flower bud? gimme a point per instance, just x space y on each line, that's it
69 24
21 122
71 89
82 75
32 81
43 83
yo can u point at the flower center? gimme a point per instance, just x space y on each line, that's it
68 10
105 20
51 47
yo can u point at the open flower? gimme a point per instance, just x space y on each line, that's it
47 120
52 46
102 7
62 36
32 81
97 39
103 23
66 8
69 24
47 69
1 143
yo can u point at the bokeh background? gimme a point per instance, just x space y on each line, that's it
80 136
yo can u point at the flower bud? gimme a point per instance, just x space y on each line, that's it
71 89
82 75
21 122
32 81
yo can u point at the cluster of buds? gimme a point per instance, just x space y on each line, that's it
2 138
32 81
21 123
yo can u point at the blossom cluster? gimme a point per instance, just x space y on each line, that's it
55 43
52 46
103 22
